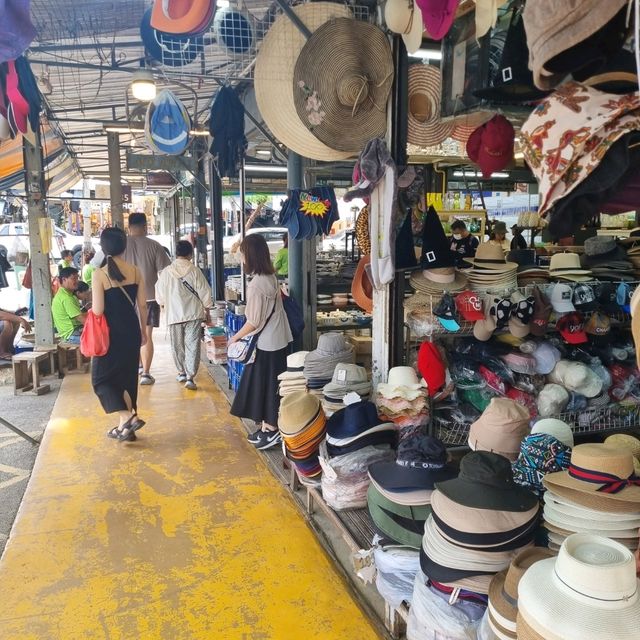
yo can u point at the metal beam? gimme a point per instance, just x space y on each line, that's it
201 203
115 186
217 251
40 272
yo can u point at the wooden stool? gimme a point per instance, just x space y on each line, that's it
25 381
52 352
70 359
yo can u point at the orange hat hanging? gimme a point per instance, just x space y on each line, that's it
181 17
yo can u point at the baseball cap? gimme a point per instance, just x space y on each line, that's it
598 324
490 146
584 298
571 328
445 312
561 298
546 357
541 313
607 298
521 314
483 329
469 306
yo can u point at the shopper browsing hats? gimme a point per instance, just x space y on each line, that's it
462 243
500 428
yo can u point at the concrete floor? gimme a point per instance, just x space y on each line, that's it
181 535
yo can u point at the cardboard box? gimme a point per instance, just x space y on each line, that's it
361 344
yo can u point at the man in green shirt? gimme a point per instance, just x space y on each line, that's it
65 307
281 263
88 269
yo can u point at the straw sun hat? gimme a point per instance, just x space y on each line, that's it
275 64
342 98
424 125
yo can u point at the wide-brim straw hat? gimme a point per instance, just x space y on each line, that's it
589 592
342 99
361 287
273 79
425 128
569 507
597 459
609 529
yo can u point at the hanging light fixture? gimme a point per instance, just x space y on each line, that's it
143 86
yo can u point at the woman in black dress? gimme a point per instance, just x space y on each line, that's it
118 293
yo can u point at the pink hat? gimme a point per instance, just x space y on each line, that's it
490 146
438 16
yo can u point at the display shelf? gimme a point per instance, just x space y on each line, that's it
617 417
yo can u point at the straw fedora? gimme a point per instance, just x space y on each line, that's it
404 17
589 592
343 99
361 287
182 16
425 128
490 257
599 477
296 411
565 265
273 79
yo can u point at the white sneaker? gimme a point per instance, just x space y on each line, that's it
147 378
181 377
190 384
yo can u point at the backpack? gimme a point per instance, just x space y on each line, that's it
294 315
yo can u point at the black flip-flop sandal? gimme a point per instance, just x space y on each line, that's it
119 434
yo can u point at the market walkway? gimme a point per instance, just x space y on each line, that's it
183 534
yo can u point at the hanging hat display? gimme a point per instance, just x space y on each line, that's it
167 124
16 29
169 49
309 212
490 146
273 79
29 89
361 287
438 16
234 31
404 17
226 126
425 128
342 99
182 17
17 107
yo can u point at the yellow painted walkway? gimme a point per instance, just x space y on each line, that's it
183 534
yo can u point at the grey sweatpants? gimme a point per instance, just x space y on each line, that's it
185 346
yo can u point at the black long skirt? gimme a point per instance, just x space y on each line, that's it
257 397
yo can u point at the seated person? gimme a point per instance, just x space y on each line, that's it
68 317
9 325
83 293
462 243
88 269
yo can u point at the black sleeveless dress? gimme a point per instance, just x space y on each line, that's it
116 372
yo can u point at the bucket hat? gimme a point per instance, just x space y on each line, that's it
421 462
170 49
486 482
503 590
342 99
182 17
438 16
562 298
295 366
552 28
404 17
599 477
332 349
402 382
234 31
424 126
167 124
273 79
361 287
556 428
591 587
500 428
17 30
490 146
347 377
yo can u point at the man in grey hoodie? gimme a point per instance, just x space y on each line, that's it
184 294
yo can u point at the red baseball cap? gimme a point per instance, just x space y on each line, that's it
469 306
490 146
571 328
431 367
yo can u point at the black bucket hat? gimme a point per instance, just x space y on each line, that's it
486 482
421 462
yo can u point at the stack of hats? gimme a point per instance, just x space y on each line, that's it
400 492
566 266
347 378
340 299
500 428
502 611
292 379
546 449
632 245
302 426
356 439
589 592
491 272
625 441
528 271
319 365
479 522
606 260
598 493
324 299
403 399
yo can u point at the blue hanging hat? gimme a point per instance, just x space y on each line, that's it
167 124
234 31
169 49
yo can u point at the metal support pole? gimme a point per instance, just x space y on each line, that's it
243 224
115 186
40 271
201 203
17 431
217 251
